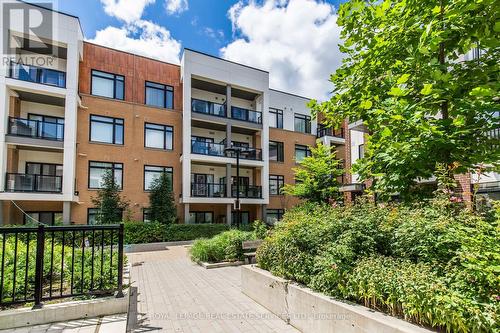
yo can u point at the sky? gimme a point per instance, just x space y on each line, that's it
295 40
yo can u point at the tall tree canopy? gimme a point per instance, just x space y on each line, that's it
161 200
406 77
316 179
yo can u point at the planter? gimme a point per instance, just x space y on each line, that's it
312 312
208 265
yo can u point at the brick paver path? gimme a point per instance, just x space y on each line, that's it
175 295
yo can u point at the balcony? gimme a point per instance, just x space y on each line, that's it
36 74
36 129
246 115
247 191
207 148
328 131
248 154
20 182
208 190
206 107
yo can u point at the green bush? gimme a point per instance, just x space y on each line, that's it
223 247
139 232
431 263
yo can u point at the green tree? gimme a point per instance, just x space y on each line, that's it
316 179
109 201
161 200
405 76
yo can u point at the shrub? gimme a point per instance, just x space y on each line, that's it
139 232
430 263
223 247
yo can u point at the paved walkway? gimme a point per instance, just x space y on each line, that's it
107 324
175 295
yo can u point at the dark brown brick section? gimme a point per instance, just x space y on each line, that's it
132 153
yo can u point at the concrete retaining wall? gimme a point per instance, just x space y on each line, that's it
146 247
312 312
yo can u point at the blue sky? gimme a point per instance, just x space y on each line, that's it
295 40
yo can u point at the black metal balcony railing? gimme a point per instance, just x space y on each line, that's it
328 131
247 191
208 190
20 182
38 75
207 148
206 107
246 115
36 129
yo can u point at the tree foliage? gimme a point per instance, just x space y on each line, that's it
406 77
316 179
108 201
161 200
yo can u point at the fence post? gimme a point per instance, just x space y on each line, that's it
120 261
40 244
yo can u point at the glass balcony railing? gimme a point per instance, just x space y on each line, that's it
246 115
36 129
35 74
248 154
328 131
207 148
208 190
214 109
20 182
247 191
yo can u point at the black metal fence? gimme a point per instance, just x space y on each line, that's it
51 262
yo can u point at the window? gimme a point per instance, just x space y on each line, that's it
276 151
159 95
48 127
44 169
276 118
158 136
106 130
108 85
274 215
201 217
50 218
93 214
152 172
276 183
146 215
361 151
301 152
302 123
244 215
97 170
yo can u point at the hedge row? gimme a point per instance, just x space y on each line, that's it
139 232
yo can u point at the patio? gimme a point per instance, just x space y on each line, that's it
172 294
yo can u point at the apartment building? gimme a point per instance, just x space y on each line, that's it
91 109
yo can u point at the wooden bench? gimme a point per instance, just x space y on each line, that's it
250 249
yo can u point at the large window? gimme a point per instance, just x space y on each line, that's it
152 172
276 151
158 136
302 123
146 215
106 129
93 213
108 85
276 183
275 118
244 215
159 95
49 218
274 215
49 127
301 152
98 169
201 217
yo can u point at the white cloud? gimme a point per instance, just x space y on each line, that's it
141 37
126 10
296 41
176 6
217 35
